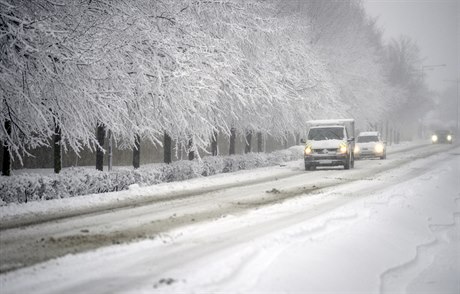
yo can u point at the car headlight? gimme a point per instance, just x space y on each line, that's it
343 148
434 138
357 149
307 150
379 148
449 138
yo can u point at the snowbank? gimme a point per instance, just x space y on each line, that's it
82 180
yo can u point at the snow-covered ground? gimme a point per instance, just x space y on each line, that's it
388 226
56 207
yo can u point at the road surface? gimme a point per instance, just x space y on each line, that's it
161 218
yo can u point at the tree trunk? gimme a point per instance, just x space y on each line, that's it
260 142
247 148
286 141
387 135
214 144
167 149
231 150
392 136
191 153
179 148
110 151
57 140
137 152
100 136
6 165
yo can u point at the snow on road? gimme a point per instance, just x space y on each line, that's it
392 232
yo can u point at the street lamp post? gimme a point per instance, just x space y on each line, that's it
430 67
457 81
425 67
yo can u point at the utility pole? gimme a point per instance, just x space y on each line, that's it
458 130
457 82
427 67
430 67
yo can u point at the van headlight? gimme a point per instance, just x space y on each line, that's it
434 138
307 150
449 138
343 149
379 148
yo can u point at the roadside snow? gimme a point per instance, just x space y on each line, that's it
135 193
77 181
109 200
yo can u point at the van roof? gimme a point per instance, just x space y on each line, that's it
338 121
327 126
373 133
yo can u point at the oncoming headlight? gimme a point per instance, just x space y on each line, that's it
378 148
307 150
449 138
343 148
434 138
357 150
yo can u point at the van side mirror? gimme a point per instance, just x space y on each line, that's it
302 141
351 139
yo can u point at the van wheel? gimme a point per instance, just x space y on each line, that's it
309 167
347 164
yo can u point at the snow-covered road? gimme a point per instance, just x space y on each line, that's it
386 226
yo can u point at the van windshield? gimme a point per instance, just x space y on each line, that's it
317 134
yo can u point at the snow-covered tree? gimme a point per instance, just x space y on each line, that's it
350 48
187 69
405 75
47 75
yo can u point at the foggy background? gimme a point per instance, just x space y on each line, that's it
435 27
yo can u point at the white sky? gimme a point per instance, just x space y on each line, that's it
433 24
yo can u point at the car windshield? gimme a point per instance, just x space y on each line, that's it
367 139
317 134
442 132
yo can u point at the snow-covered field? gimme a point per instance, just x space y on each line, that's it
388 226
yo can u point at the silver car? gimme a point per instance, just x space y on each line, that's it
370 145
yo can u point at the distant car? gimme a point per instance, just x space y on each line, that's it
370 145
442 136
